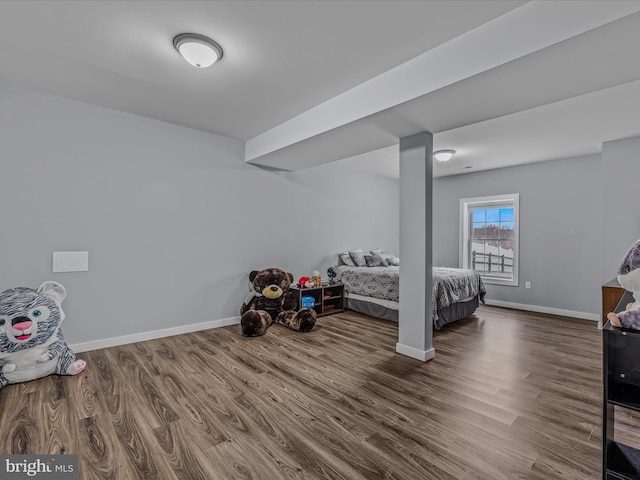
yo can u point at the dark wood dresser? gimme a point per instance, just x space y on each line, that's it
612 292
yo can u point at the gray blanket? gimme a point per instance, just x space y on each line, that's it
450 285
376 282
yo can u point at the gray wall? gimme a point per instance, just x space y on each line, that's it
620 194
173 218
560 229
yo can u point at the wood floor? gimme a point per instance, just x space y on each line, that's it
509 395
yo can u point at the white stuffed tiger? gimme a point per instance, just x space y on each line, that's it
31 342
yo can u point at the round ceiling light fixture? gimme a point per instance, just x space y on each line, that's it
444 155
198 50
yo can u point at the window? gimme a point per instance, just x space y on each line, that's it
489 237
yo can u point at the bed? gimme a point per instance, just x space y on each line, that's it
374 291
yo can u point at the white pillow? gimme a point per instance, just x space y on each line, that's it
358 257
345 258
389 257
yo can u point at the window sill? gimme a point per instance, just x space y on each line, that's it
499 281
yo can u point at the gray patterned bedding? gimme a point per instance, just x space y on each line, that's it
376 282
450 285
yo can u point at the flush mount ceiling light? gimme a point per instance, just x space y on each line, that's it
198 50
444 155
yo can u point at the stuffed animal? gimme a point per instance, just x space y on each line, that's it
31 342
273 302
629 278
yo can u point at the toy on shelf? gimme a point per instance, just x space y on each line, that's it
332 273
307 302
629 279
305 282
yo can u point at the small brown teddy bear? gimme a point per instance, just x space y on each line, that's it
271 301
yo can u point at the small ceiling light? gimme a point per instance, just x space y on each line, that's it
444 155
198 50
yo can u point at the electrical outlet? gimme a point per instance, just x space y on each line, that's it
527 284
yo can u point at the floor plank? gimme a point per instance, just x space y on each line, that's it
509 395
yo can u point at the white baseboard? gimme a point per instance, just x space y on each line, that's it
421 355
539 309
151 335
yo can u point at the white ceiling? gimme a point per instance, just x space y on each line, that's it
508 82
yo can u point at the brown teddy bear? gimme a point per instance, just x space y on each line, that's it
271 301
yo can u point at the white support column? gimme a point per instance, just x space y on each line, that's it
415 332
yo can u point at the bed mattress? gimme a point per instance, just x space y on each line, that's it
455 291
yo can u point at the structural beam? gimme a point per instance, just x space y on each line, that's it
415 332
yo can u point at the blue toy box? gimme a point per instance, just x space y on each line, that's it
307 302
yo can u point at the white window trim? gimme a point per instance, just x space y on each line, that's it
465 205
